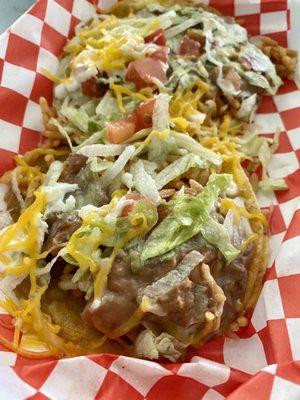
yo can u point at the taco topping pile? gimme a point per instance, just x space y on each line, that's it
134 228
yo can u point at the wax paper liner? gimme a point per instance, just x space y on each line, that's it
262 362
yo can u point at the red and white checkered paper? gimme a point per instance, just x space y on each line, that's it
262 364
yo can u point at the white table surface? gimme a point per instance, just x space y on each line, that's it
10 10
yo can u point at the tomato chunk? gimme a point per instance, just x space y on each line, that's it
141 71
144 114
128 208
156 37
91 88
190 47
161 53
119 131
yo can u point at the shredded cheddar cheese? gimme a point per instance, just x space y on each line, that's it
28 231
119 90
52 77
252 238
132 322
228 204
225 125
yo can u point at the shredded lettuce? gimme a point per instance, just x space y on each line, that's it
261 63
251 143
257 79
56 200
254 145
160 146
192 146
238 230
178 167
62 131
217 235
108 106
102 150
149 346
117 167
127 180
166 19
94 127
78 117
144 183
188 216
117 231
142 134
97 165
149 210
257 59
160 117
273 184
174 43
264 156
226 85
94 138
184 71
247 108
163 285
150 167
189 23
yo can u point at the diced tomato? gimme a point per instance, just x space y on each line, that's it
91 88
197 37
119 131
133 196
161 53
141 71
141 118
190 47
144 115
128 208
132 117
156 37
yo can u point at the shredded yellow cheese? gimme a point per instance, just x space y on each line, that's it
26 226
181 124
52 77
102 276
225 126
252 238
228 204
119 90
133 321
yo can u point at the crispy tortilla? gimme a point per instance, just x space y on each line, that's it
65 310
261 249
